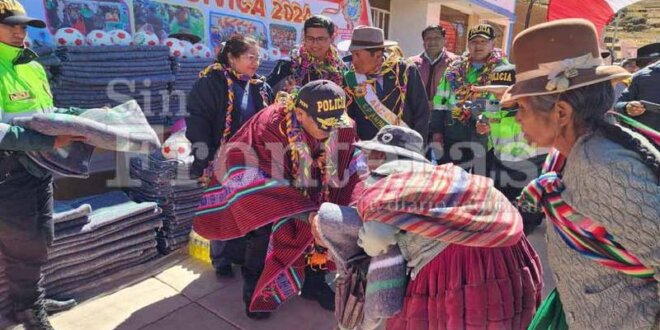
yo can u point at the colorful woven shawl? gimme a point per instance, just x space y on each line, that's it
444 203
647 131
580 233
256 190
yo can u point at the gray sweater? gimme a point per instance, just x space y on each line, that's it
612 186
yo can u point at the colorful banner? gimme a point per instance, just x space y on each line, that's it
276 24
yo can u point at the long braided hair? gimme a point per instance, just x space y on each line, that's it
593 101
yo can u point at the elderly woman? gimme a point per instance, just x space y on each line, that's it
446 248
600 190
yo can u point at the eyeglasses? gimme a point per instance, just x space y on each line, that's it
251 58
312 40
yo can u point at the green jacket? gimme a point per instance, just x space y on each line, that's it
507 138
445 102
24 91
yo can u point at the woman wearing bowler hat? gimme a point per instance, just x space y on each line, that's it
600 188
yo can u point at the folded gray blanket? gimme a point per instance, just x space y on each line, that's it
93 260
126 233
84 255
122 128
82 277
75 223
150 216
84 282
63 212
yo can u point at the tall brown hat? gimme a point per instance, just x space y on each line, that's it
558 56
366 37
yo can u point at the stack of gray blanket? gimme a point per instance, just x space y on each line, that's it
96 76
4 289
186 72
47 59
96 237
167 183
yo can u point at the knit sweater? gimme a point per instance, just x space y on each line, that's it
609 184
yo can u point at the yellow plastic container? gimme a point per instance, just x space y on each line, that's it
199 247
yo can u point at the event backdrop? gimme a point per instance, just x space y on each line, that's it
276 24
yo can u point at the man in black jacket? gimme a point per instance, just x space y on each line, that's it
385 90
643 87
317 58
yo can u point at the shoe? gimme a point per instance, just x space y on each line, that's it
33 319
315 288
224 271
55 306
256 315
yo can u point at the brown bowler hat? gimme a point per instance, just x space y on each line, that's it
558 56
366 37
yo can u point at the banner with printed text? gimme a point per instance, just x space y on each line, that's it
276 24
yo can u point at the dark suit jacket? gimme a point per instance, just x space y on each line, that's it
207 105
416 111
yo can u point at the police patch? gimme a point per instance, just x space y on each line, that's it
19 96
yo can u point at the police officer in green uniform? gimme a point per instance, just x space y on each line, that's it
26 193
512 162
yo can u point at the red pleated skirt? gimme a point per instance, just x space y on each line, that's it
474 288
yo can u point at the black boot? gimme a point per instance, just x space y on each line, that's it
316 288
55 306
256 315
224 272
34 318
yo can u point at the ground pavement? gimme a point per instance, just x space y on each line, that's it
181 292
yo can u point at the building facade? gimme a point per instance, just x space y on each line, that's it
403 20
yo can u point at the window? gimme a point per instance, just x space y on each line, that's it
381 19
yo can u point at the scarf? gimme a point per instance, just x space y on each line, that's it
457 73
303 65
580 233
231 74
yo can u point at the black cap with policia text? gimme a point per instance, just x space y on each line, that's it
325 102
13 13
482 30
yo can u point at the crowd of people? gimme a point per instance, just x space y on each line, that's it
415 179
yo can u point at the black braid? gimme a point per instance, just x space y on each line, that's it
616 134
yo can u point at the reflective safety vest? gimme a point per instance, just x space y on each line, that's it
507 138
24 88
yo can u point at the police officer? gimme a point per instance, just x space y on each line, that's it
26 195
511 162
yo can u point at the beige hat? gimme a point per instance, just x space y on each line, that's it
366 37
558 56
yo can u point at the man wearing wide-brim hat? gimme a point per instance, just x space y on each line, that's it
384 89
644 87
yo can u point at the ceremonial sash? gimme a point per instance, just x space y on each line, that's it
364 94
